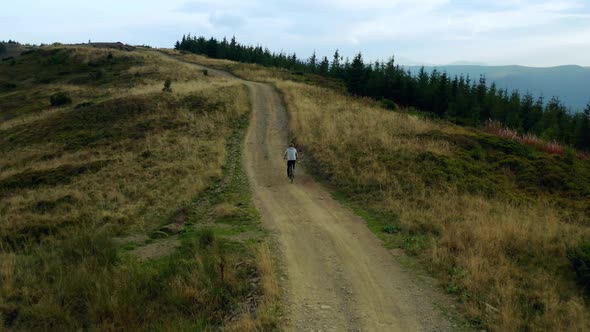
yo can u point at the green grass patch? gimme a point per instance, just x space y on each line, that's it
68 246
51 177
232 193
87 282
103 123
477 168
20 82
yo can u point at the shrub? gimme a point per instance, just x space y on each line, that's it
206 238
84 105
497 128
390 229
167 85
60 98
579 258
97 75
8 86
389 104
554 148
205 72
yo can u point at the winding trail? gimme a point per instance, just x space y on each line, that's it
339 276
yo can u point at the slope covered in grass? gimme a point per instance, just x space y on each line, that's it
85 185
492 218
504 226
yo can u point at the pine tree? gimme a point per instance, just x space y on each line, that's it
551 119
356 75
335 69
441 98
422 97
529 118
538 110
513 112
312 63
583 134
586 131
324 67
233 49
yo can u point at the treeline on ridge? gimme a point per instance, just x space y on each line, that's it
458 99
5 44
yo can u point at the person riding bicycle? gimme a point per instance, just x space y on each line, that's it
291 156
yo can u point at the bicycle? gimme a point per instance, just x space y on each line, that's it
291 171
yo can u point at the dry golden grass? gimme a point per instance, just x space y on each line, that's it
23 120
154 165
131 189
223 210
85 55
203 60
267 310
255 72
507 262
138 190
251 72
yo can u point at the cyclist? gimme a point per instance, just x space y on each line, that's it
291 156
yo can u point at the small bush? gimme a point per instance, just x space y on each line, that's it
167 85
570 155
205 72
84 105
60 98
206 238
147 154
97 75
27 52
579 258
390 229
8 86
389 104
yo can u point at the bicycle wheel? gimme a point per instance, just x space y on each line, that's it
291 173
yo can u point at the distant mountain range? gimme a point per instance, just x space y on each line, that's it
570 83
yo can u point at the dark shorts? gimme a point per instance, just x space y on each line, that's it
289 163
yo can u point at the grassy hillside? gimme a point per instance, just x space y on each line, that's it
505 227
492 218
107 220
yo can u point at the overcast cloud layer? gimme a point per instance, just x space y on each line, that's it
525 32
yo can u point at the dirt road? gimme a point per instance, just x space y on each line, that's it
339 276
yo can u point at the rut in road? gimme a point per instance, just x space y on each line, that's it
339 276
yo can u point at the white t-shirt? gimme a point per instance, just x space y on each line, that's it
291 154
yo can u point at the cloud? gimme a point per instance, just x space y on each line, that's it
457 23
539 32
215 5
356 5
227 20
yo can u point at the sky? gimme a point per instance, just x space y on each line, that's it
536 33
